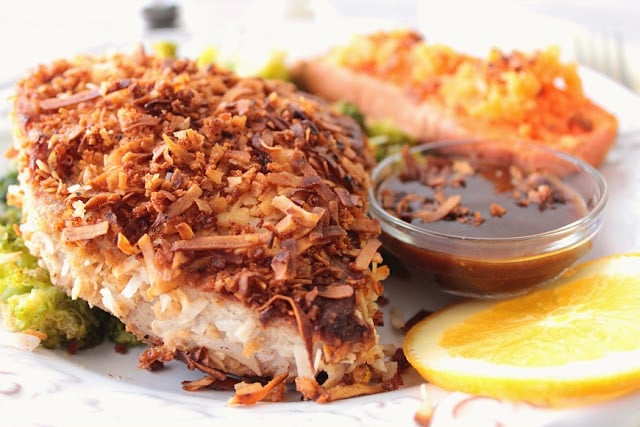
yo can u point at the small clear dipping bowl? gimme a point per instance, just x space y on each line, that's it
508 258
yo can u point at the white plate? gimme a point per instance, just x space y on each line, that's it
100 387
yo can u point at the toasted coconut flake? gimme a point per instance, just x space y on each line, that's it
299 215
497 210
380 272
412 170
132 286
55 103
443 210
287 227
311 295
463 168
185 231
192 362
283 263
366 225
336 292
184 202
240 241
139 121
196 385
310 389
342 391
303 244
284 179
333 231
122 180
203 206
176 148
179 258
43 166
100 200
321 187
85 232
125 246
239 156
344 196
146 247
249 394
366 254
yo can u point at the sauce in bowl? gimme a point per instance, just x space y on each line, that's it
486 223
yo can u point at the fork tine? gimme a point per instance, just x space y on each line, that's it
604 52
622 62
610 55
579 51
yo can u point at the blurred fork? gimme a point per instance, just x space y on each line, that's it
603 51
6 89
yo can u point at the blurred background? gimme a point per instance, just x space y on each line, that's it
604 34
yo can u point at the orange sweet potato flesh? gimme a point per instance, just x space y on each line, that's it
435 93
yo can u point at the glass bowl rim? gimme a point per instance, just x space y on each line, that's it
595 212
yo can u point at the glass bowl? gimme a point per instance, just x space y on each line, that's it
515 215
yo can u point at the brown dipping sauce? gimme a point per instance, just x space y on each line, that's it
496 200
484 200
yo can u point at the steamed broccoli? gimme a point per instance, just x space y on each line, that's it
387 139
28 300
8 214
349 109
11 178
383 136
116 333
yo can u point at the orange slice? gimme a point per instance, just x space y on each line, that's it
574 342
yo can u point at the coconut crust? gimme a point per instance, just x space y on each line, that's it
223 219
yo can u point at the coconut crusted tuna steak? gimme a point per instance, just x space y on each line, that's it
224 220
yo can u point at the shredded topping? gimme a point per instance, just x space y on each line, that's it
85 232
535 94
255 392
239 241
243 187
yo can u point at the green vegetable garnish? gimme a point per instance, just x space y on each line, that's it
383 136
165 49
207 57
117 333
387 139
276 67
8 214
28 300
349 109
